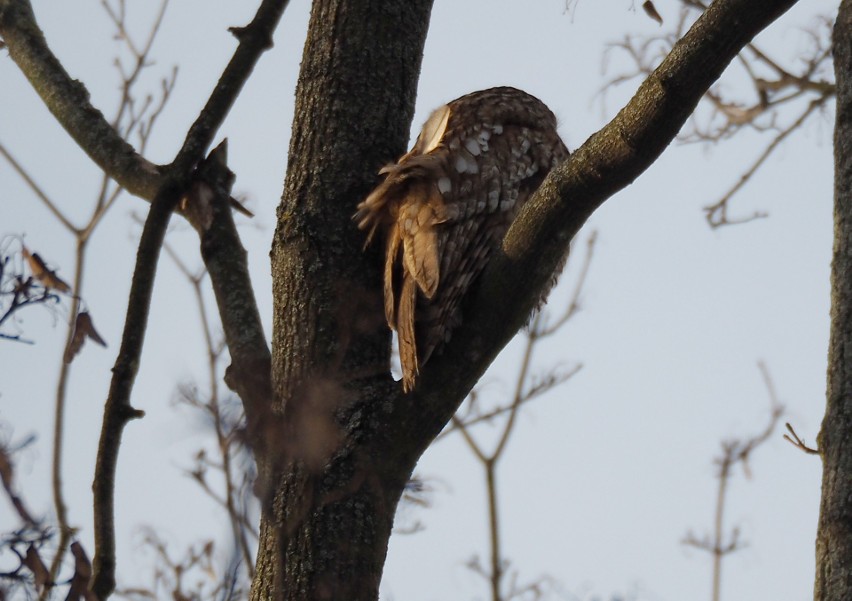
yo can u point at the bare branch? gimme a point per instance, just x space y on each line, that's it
225 433
226 261
7 478
794 439
773 90
734 452
526 388
717 213
254 39
118 410
68 100
36 189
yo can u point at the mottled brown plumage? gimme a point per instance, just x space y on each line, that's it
446 204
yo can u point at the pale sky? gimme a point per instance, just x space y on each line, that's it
606 475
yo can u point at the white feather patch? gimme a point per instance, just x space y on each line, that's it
472 146
433 130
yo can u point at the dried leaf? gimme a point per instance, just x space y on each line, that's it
83 328
84 321
7 475
74 345
33 561
651 11
82 574
6 470
42 273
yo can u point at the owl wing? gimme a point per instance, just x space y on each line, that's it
446 205
486 194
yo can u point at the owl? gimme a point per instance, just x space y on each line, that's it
444 208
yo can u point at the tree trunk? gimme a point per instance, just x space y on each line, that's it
329 501
834 533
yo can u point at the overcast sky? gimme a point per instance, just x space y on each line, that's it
606 475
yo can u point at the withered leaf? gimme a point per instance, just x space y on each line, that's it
651 11
42 273
82 574
33 561
6 471
83 328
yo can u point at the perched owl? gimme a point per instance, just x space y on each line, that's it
445 206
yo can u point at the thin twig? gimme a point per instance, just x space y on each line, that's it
224 440
36 189
7 476
734 452
66 532
782 86
524 391
68 100
717 213
794 439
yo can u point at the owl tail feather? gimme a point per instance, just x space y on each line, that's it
391 253
419 214
405 332
372 213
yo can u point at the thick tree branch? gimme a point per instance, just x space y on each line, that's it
221 249
610 160
227 263
68 100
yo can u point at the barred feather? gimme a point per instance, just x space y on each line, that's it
445 206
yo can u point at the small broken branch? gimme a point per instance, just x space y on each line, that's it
794 439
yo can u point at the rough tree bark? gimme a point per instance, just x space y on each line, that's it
330 496
834 530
